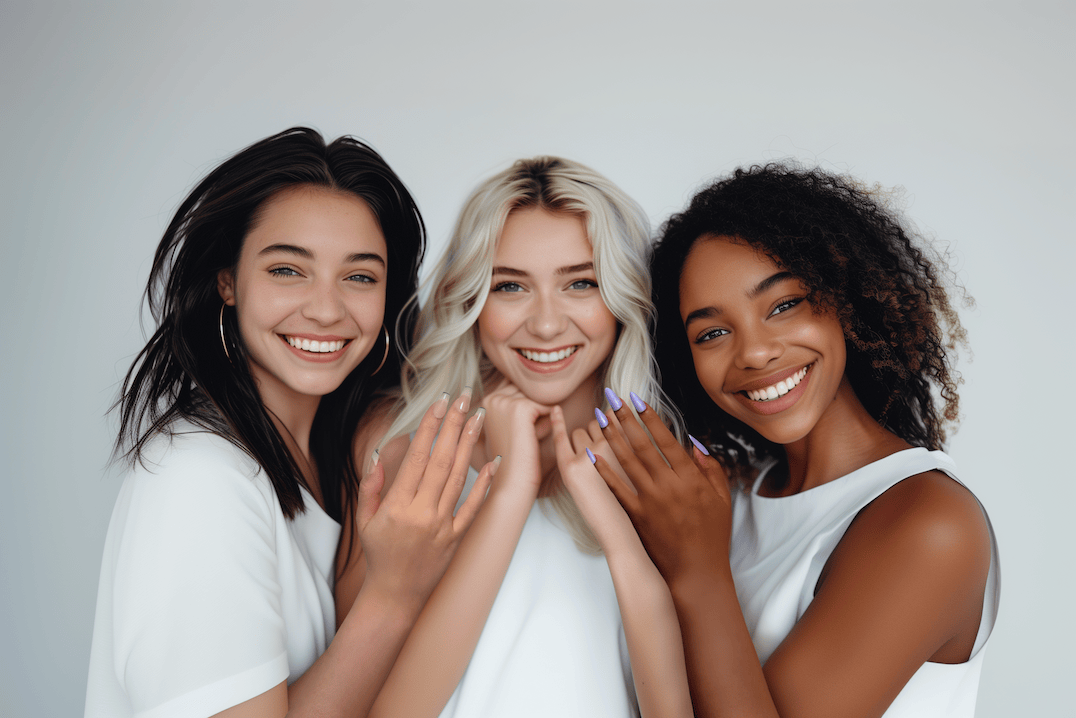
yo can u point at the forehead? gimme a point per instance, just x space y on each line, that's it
313 218
534 238
719 270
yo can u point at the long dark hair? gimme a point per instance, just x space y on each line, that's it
183 372
855 257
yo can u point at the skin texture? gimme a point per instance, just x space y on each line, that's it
314 265
543 296
905 584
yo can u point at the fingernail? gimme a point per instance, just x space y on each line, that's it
698 445
590 455
479 417
374 458
441 407
639 404
465 399
496 465
614 401
603 420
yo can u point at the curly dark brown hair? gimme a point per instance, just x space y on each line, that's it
856 258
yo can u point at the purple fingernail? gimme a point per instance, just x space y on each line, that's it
639 404
614 401
603 420
590 455
698 445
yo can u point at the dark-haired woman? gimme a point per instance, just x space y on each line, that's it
844 572
276 288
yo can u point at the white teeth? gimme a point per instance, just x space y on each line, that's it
547 357
316 347
779 389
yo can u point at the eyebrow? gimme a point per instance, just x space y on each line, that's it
573 269
307 254
758 289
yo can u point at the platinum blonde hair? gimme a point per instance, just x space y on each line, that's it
447 355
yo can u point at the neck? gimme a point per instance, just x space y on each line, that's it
845 438
293 417
578 412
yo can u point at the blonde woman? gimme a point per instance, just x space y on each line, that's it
540 301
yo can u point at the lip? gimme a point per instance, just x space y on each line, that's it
770 380
781 403
546 367
317 358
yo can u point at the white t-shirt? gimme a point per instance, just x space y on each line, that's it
208 595
553 644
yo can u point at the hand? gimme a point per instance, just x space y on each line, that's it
681 507
596 502
515 425
409 536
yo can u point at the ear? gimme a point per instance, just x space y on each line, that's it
226 286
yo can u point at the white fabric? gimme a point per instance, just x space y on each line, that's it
554 643
208 595
780 546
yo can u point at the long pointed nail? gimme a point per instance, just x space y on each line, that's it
441 407
374 458
590 455
479 418
614 401
639 404
496 465
465 399
603 420
698 445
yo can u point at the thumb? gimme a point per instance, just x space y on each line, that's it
370 492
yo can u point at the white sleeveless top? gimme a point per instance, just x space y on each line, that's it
553 644
780 546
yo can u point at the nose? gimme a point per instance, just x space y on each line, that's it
548 318
757 346
324 303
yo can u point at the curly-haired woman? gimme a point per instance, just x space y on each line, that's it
808 340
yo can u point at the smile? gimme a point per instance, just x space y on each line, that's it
314 346
547 357
779 389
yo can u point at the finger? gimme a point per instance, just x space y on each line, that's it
562 445
667 444
465 516
457 479
636 435
623 493
637 472
443 458
711 468
370 492
418 453
581 439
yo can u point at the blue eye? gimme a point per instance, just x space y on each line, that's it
362 279
584 284
710 334
508 287
283 272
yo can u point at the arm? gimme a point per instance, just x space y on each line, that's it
646 606
436 653
408 539
904 586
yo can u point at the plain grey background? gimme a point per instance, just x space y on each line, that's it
110 112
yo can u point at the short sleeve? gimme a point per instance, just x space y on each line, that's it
193 584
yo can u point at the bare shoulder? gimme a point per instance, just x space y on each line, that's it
931 516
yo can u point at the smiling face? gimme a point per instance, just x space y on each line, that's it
309 292
544 325
761 352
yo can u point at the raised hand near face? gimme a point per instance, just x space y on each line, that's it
681 504
409 536
514 427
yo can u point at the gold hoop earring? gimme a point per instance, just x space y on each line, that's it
375 371
221 324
